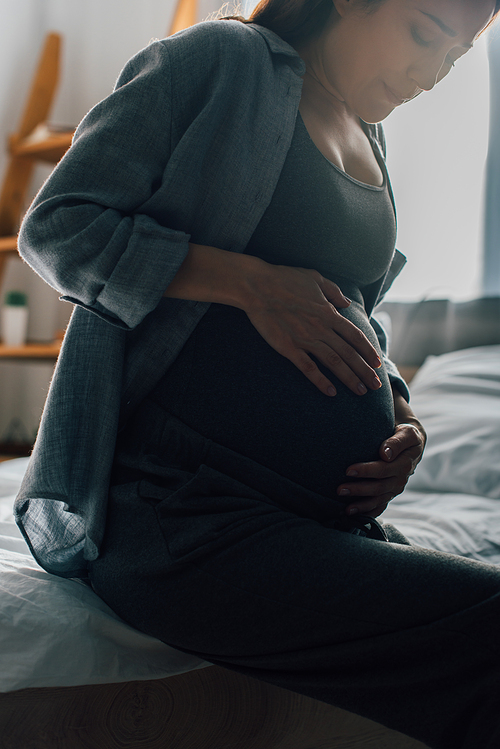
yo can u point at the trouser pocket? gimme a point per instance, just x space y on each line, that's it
209 511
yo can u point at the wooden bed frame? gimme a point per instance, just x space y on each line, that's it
209 708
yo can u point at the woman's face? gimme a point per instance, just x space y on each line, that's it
374 61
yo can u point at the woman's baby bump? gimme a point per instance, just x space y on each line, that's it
233 388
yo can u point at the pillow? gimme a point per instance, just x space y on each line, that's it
457 398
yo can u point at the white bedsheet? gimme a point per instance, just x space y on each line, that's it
452 502
57 632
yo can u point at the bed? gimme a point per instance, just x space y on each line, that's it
73 675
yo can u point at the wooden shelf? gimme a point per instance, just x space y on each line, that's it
8 244
51 148
12 450
31 351
35 140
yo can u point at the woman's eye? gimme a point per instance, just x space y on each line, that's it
418 39
423 43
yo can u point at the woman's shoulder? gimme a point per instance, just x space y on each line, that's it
194 54
228 38
218 47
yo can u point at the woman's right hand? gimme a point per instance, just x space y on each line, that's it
295 311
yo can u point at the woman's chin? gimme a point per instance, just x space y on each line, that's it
376 113
373 109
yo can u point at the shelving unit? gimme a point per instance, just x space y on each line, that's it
35 141
31 351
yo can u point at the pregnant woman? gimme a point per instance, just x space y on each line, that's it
224 424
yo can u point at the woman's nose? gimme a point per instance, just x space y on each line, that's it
425 82
427 74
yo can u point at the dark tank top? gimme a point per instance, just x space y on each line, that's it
232 387
320 217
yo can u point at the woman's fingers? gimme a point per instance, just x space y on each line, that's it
373 487
376 471
329 326
375 483
333 293
378 510
305 364
373 506
356 374
349 341
406 437
347 366
294 311
299 341
341 347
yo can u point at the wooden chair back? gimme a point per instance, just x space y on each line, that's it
186 14
31 143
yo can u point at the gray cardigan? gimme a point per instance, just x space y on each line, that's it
190 145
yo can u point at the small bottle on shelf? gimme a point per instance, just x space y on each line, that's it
14 318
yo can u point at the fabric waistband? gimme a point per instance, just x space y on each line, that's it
155 442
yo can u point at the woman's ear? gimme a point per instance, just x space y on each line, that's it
344 7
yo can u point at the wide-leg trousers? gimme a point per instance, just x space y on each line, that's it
251 575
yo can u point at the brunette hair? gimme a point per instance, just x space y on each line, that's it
298 20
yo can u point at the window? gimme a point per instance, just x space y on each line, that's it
436 151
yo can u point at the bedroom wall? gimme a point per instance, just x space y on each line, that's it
98 38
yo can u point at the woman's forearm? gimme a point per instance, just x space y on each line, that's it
403 412
293 309
209 274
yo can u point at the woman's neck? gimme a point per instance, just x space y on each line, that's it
323 102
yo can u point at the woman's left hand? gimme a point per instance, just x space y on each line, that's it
379 481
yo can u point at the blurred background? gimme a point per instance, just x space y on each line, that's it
443 157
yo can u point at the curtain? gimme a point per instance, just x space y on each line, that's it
491 257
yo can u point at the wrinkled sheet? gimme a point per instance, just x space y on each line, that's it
57 632
452 502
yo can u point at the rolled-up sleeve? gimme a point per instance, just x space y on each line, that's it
88 233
